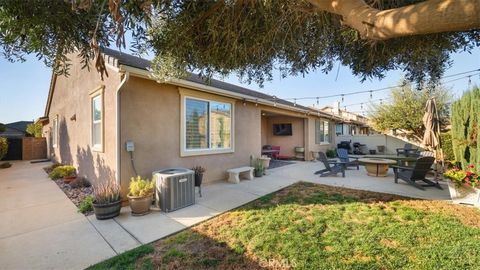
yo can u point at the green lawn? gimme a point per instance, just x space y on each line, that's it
308 226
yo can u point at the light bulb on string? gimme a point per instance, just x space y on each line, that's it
381 101
469 81
343 98
371 94
361 106
256 102
295 102
274 101
318 102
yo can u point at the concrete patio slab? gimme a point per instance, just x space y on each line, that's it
71 245
116 236
148 228
224 198
192 215
40 227
26 219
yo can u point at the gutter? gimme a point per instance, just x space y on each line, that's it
126 76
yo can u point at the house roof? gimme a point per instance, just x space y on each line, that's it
20 125
144 64
125 59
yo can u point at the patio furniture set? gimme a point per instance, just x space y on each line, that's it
379 166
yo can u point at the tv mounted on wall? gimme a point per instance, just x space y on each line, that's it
282 129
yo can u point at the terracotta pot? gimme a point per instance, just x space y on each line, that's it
140 205
108 210
265 161
68 179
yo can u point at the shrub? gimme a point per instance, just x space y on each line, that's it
106 192
330 153
140 187
86 205
50 168
447 147
3 147
62 171
35 130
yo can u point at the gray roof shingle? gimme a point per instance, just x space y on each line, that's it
141 63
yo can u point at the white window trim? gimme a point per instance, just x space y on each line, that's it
55 132
184 152
98 92
322 121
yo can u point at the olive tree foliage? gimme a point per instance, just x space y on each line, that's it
406 107
249 38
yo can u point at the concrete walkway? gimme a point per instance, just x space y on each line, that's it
40 227
223 196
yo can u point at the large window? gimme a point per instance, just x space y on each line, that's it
322 135
97 122
208 125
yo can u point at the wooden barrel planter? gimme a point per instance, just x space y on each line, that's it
106 211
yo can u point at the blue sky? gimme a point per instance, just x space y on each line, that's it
24 86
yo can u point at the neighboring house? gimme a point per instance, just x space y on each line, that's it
16 129
350 123
15 132
182 123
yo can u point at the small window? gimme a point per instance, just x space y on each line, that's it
208 125
55 132
322 134
97 123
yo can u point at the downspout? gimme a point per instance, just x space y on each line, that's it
126 76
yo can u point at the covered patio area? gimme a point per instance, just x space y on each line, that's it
283 136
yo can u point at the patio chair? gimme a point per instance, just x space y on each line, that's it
407 151
342 154
331 167
416 173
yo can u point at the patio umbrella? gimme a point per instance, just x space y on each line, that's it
432 127
431 137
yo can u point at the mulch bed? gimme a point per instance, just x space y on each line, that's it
75 194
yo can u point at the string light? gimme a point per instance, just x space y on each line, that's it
295 102
256 102
381 101
244 102
361 106
318 101
274 101
371 94
343 98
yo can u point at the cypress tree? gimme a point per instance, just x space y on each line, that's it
465 128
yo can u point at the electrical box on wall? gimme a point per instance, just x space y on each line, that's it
130 146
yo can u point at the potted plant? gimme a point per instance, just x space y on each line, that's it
199 171
140 195
259 169
266 161
463 185
107 202
67 172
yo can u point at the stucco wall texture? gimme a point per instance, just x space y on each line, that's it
71 104
150 117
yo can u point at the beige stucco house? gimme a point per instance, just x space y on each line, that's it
182 123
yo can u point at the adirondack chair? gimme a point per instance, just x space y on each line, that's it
407 151
416 173
331 167
344 158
